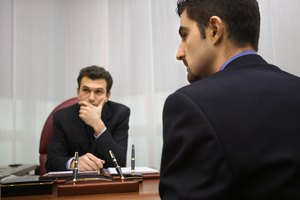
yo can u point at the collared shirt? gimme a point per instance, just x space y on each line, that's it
247 52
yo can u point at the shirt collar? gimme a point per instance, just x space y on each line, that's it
243 53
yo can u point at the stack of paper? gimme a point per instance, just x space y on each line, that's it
142 170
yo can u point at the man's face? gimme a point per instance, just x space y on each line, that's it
92 91
194 50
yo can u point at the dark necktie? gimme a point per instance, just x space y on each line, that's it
90 132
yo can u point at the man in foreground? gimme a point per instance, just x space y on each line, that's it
234 132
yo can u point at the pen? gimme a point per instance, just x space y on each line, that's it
132 159
118 168
75 170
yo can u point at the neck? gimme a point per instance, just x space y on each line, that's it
229 51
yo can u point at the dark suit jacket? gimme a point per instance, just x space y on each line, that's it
71 134
233 135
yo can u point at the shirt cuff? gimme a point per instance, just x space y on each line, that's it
68 164
97 136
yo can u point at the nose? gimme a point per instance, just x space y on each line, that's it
92 96
180 54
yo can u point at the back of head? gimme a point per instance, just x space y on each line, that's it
95 72
242 17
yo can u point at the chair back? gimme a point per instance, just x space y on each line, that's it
47 132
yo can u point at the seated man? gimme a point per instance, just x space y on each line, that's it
92 127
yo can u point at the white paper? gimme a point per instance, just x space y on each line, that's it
70 173
142 170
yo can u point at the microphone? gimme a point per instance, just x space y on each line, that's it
118 168
132 159
75 170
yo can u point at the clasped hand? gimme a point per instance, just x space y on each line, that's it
91 115
89 162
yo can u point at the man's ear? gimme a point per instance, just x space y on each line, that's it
216 32
108 95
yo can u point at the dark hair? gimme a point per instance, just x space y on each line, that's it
241 16
95 72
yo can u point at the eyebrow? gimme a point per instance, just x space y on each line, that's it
93 89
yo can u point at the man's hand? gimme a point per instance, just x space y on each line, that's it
91 114
89 162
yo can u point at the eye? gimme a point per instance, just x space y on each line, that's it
99 92
183 36
85 90
183 32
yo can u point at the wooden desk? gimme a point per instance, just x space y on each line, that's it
148 191
18 170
